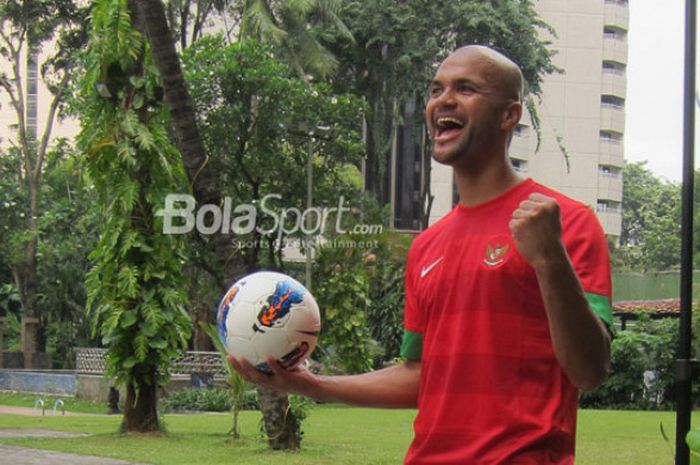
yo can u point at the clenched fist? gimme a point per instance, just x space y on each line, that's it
536 229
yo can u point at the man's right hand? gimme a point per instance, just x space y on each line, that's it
297 379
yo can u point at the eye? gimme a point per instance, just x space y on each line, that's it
466 88
434 91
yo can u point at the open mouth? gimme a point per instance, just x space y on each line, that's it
447 126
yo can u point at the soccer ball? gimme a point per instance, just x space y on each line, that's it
268 314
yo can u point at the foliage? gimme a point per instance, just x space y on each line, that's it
135 289
650 236
261 127
13 332
342 293
236 385
295 30
260 124
188 19
25 27
360 292
693 441
206 400
68 227
642 367
385 311
397 45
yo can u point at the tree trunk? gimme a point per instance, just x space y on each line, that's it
205 182
26 280
281 426
140 408
200 338
205 187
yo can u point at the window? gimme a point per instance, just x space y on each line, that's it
612 101
609 171
607 135
610 66
614 32
607 206
519 165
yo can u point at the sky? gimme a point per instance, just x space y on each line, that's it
654 104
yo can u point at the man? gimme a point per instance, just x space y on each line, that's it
507 296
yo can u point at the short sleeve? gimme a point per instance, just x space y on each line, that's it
412 343
587 247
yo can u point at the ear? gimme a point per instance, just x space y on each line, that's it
511 115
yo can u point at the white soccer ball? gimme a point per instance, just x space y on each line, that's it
268 314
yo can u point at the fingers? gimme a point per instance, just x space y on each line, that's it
536 203
247 371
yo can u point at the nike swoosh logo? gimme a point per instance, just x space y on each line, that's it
426 269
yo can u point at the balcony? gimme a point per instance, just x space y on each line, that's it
610 148
617 14
611 221
614 82
615 48
610 186
612 118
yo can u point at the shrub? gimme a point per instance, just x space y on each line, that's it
642 368
205 400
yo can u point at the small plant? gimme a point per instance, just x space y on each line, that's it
236 384
204 400
693 441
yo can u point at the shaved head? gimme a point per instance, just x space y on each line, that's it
499 70
474 104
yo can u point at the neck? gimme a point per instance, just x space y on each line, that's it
476 186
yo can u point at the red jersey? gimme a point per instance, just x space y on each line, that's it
492 391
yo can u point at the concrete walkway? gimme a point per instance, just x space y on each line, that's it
25 456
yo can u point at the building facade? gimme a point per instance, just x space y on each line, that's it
582 112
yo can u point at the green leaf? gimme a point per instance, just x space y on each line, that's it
137 81
138 101
693 440
144 137
129 363
128 319
159 344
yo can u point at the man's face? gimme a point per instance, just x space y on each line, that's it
463 109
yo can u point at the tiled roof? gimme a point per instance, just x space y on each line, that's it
663 306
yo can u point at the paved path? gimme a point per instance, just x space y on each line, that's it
12 455
22 456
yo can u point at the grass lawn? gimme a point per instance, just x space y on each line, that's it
71 404
334 435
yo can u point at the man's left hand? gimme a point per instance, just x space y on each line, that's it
536 229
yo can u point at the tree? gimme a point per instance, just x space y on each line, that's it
25 27
188 18
650 236
257 125
294 29
135 290
397 46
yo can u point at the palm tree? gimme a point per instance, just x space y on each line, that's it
205 182
283 431
293 28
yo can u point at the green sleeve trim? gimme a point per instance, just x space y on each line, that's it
412 345
601 307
